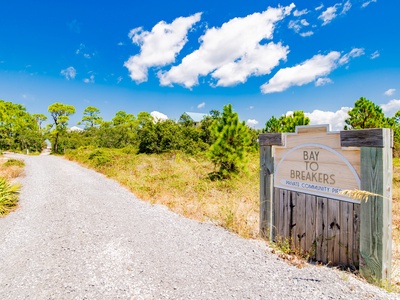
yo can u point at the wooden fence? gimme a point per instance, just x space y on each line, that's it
334 231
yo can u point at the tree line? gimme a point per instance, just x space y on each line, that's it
221 135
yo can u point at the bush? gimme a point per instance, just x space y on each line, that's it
14 162
99 157
8 196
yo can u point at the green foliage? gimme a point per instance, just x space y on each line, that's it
91 117
60 113
366 114
14 162
8 196
287 123
18 129
99 157
232 140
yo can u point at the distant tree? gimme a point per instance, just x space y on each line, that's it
232 140
365 114
287 123
40 118
91 117
185 120
18 129
205 126
273 125
60 113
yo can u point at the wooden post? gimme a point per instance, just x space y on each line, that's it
267 183
376 213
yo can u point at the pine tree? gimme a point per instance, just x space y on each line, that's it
232 138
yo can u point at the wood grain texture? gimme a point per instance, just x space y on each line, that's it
266 192
345 236
356 236
310 229
365 138
333 232
375 214
322 230
270 139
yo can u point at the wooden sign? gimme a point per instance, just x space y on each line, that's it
314 162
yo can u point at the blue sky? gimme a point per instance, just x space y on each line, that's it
168 57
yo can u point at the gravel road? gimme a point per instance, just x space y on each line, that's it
79 235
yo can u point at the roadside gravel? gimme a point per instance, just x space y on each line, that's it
79 235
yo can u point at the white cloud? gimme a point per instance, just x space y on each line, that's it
390 92
322 81
308 71
201 105
157 116
307 33
69 73
346 7
232 52
251 107
320 7
251 122
298 13
294 24
391 107
83 50
120 44
365 4
119 79
329 14
158 47
297 25
89 80
375 55
304 22
335 119
352 54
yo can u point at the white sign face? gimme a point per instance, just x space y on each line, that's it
315 168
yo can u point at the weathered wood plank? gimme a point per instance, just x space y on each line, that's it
364 138
284 215
375 214
300 229
270 139
322 230
277 214
345 234
333 231
356 235
266 191
292 218
311 212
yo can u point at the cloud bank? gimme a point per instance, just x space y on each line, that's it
240 48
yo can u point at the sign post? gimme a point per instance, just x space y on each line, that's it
302 175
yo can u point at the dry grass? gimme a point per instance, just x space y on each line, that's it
181 183
396 223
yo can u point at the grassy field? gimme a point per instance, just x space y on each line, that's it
181 182
9 169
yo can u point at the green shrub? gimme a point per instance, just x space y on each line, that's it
14 162
99 157
8 196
